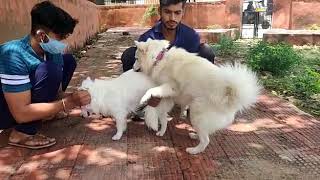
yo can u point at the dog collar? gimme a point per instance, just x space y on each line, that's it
161 54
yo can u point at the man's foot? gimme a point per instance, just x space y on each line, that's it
36 141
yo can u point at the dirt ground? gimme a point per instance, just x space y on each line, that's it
273 140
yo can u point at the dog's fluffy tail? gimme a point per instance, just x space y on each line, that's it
242 87
151 118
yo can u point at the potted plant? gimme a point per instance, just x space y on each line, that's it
151 15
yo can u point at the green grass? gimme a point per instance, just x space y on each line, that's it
300 85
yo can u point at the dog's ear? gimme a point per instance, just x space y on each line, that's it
141 46
149 39
137 43
165 43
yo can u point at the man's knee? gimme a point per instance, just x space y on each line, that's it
69 61
128 58
46 81
206 51
49 70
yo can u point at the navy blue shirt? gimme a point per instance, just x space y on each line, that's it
186 37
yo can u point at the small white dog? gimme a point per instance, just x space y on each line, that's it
214 94
120 96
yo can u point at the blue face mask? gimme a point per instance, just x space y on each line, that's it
53 46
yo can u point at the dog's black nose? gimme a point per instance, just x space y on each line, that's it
137 70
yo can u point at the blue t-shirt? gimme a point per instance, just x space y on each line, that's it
186 37
17 61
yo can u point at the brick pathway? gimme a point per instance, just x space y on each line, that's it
274 140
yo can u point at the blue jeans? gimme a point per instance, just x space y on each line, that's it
45 80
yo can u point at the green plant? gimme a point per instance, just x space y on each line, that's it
151 11
226 46
214 26
274 58
314 27
306 84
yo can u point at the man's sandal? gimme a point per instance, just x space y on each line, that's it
32 142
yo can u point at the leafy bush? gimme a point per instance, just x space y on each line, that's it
303 85
314 27
274 58
306 84
151 11
214 26
226 46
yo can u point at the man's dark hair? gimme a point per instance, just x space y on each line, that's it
164 3
50 17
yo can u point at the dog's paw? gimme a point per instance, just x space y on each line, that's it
183 114
160 133
193 135
116 137
145 98
193 150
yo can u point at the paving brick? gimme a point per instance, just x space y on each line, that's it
10 159
52 173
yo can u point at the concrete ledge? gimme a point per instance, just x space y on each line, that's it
294 37
206 35
213 35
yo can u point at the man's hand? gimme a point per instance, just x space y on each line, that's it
78 98
154 101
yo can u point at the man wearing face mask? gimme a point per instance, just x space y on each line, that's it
32 70
170 28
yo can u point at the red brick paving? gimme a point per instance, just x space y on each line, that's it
273 140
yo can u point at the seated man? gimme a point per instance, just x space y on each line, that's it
170 28
32 70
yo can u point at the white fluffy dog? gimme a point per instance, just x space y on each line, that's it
120 96
214 94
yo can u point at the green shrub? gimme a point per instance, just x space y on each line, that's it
306 84
303 85
274 58
152 10
314 27
214 26
226 46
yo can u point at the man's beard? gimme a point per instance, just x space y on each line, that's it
170 28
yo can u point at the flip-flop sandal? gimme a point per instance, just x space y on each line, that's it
24 142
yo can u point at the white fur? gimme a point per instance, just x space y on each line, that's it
214 94
119 96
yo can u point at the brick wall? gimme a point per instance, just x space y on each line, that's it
15 19
295 14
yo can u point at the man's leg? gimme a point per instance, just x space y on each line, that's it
6 119
69 66
45 81
128 58
206 51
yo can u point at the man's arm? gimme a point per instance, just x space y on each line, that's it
24 111
195 45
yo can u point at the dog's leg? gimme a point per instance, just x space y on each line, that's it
164 108
184 112
193 135
204 141
166 90
121 127
163 123
199 120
